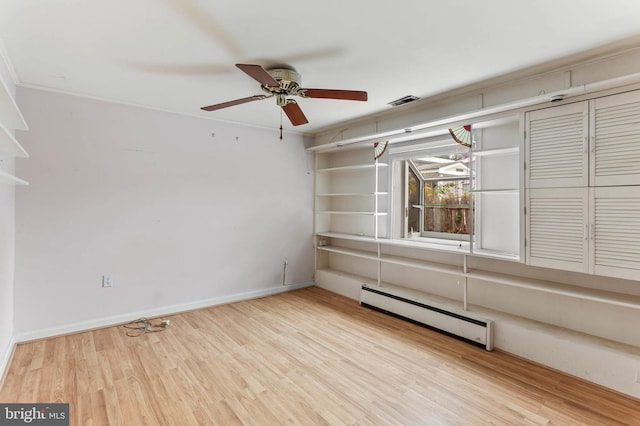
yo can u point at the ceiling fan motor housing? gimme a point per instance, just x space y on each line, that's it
289 80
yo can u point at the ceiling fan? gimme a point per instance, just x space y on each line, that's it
282 81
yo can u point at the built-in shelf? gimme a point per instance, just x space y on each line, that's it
352 237
423 264
352 194
9 145
496 151
11 179
601 296
502 191
419 243
608 297
10 114
350 252
352 213
354 168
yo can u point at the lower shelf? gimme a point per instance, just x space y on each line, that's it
343 283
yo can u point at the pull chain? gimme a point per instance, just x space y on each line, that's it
280 124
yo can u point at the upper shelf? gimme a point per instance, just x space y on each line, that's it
10 115
496 151
351 194
9 145
353 168
9 178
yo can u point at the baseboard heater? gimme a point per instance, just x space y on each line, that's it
435 315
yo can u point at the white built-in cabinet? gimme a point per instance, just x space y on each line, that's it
352 205
10 119
583 186
556 188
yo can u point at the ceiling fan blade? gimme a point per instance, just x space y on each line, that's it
348 95
205 21
295 114
259 74
232 103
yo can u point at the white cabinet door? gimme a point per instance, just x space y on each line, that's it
592 230
615 140
557 228
616 231
557 146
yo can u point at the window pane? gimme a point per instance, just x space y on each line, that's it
446 207
413 191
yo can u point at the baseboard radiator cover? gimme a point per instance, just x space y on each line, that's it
435 315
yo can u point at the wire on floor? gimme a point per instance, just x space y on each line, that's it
143 325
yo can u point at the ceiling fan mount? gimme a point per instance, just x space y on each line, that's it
282 81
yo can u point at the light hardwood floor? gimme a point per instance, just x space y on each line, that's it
306 357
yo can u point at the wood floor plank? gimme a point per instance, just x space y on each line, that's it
303 357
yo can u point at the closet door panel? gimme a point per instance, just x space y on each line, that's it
615 140
557 146
557 228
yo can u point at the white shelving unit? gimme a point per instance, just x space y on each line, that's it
10 118
347 258
348 191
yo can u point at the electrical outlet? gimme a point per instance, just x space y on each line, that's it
638 376
107 281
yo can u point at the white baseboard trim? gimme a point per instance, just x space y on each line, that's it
155 312
5 358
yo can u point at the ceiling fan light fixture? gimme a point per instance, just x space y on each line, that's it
281 99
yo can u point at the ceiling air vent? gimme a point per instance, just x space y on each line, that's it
403 100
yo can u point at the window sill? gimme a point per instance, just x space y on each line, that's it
432 244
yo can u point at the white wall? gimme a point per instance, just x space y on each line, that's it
181 211
7 231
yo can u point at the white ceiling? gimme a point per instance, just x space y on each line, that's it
178 55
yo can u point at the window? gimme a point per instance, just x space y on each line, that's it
442 189
437 184
446 194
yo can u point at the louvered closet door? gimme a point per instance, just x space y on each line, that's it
616 237
557 225
557 149
615 143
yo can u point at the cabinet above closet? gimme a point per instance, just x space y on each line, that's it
588 143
